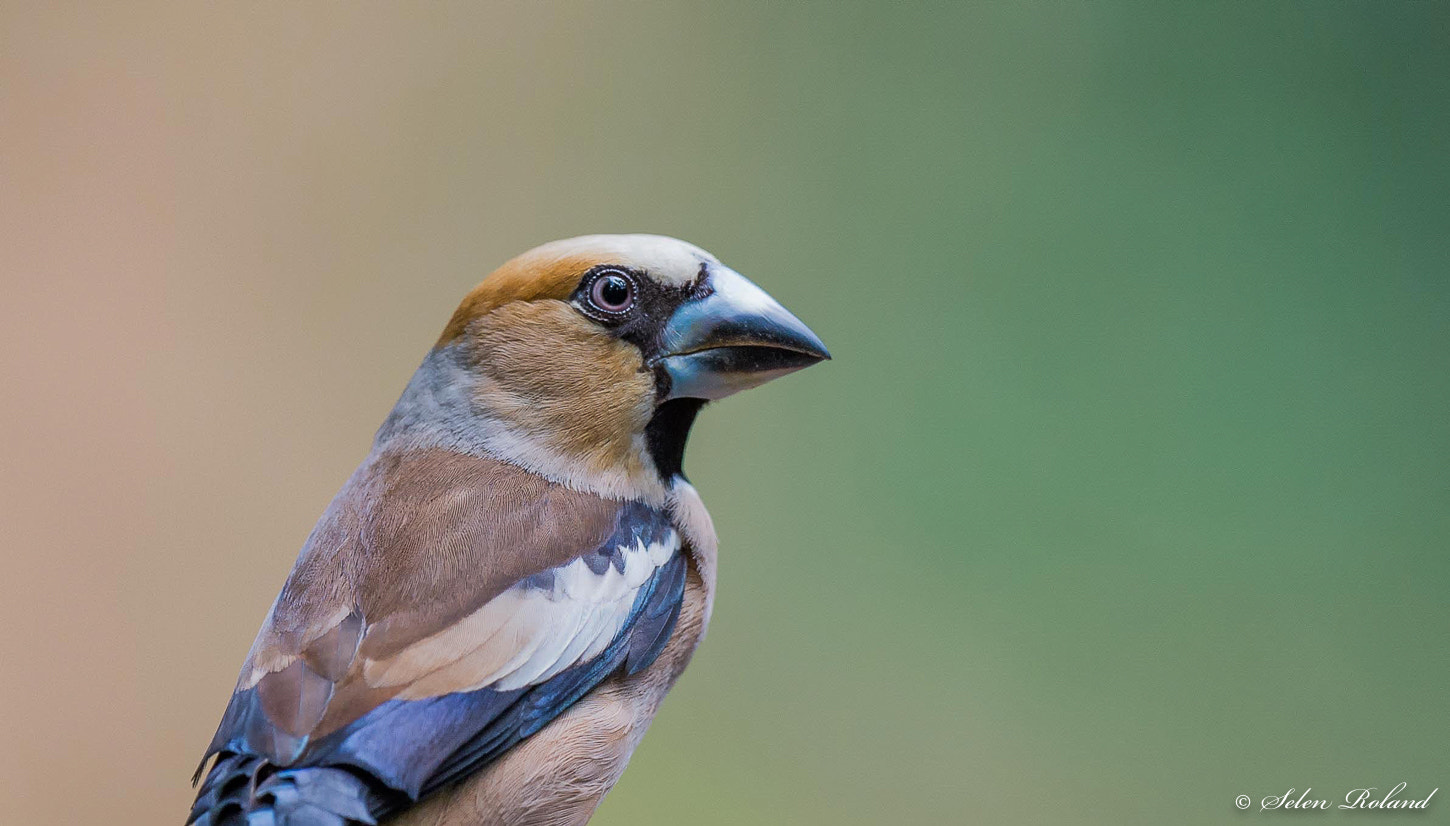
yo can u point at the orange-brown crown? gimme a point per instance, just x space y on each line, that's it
553 270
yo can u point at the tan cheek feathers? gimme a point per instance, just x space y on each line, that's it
557 377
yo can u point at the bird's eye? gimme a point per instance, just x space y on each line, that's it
612 293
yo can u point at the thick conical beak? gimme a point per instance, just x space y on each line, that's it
735 338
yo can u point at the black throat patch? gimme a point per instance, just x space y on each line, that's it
667 433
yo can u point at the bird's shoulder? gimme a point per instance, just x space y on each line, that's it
436 574
416 539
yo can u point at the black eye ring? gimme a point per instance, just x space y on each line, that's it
612 292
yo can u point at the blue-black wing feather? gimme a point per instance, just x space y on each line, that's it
403 750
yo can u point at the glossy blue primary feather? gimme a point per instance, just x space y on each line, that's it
403 750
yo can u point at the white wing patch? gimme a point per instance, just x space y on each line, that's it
532 631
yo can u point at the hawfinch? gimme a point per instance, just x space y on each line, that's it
486 618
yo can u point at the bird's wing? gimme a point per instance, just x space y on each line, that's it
430 625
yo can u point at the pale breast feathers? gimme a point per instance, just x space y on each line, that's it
445 608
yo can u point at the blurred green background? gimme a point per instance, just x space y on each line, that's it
1128 490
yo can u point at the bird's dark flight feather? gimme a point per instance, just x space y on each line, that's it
277 772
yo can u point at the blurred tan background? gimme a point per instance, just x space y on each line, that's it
1126 493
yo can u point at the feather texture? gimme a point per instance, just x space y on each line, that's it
354 702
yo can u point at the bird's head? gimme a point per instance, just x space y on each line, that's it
587 359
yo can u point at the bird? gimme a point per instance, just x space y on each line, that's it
485 619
